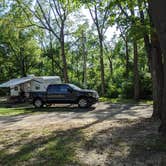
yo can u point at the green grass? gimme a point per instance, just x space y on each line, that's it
125 101
14 111
53 148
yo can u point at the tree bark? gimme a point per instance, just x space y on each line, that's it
62 42
157 74
110 64
136 72
155 63
127 58
158 14
100 29
52 55
22 63
84 54
102 73
125 39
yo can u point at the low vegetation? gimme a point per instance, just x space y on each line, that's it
124 101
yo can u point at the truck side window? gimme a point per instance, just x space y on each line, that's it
53 89
58 89
64 89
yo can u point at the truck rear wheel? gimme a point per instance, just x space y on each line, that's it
38 103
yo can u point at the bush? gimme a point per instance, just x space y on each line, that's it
112 91
127 90
146 87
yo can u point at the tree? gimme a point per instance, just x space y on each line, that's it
51 15
157 11
100 13
17 36
131 24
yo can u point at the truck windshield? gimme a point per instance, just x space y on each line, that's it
74 87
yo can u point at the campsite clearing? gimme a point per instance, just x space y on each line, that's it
110 134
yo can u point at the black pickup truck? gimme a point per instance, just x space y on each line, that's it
65 93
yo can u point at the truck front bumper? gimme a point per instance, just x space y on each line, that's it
93 100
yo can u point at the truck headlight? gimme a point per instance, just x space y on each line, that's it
93 94
90 94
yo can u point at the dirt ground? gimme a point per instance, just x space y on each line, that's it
71 115
107 134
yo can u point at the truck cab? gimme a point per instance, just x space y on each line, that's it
65 93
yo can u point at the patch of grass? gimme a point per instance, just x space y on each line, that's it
124 101
149 102
55 148
14 111
27 109
59 151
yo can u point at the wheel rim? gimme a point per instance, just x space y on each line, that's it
38 103
82 103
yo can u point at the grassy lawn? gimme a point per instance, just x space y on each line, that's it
14 111
31 110
39 147
124 101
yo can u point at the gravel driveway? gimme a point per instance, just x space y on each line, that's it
64 116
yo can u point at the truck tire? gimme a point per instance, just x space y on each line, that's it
38 103
83 103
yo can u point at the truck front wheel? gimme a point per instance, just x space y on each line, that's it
83 103
38 103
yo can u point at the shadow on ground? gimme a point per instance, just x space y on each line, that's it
102 112
57 148
135 143
131 143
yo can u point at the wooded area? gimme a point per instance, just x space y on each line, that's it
55 37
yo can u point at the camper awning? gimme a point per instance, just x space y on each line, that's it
15 82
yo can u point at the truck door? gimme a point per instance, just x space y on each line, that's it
59 94
53 94
67 94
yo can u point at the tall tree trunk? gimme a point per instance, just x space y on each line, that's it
155 64
22 63
63 55
163 115
125 39
158 12
136 72
84 53
102 73
110 64
127 58
52 63
52 55
157 74
23 73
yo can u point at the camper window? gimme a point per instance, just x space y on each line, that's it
37 87
16 88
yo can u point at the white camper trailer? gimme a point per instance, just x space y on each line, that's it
30 84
